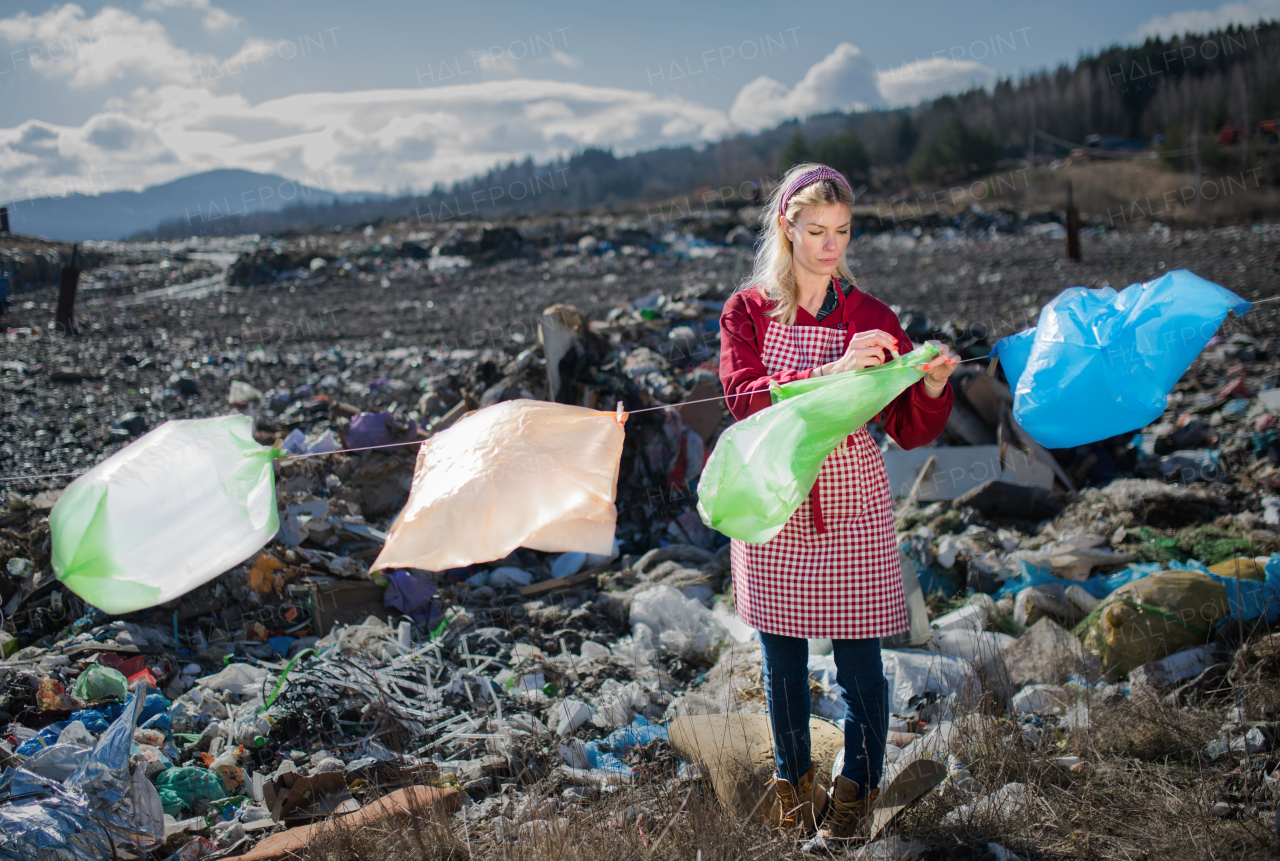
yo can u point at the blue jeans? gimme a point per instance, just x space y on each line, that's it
866 706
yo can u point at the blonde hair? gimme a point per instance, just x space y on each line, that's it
772 271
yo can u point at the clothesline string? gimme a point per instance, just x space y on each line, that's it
417 441
630 412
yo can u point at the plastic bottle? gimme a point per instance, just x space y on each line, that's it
247 732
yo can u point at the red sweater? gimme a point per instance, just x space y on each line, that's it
913 418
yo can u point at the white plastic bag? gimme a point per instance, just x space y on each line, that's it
682 625
186 502
911 673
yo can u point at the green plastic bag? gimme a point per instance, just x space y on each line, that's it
98 683
765 465
186 502
181 787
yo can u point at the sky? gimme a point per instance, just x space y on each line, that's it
397 96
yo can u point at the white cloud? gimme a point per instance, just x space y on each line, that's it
359 140
566 60
163 116
927 79
844 80
1203 20
62 44
215 19
220 19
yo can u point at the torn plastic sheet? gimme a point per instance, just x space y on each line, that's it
520 473
99 808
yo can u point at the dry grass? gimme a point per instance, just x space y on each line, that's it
1133 194
645 822
1126 194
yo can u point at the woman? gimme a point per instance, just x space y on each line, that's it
833 570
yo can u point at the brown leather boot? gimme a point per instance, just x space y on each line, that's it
849 811
798 808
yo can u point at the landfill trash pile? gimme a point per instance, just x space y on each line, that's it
1047 588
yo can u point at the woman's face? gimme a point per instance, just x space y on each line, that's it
819 237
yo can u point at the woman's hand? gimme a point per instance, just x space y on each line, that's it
936 372
865 350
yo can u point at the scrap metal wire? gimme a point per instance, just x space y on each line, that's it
396 696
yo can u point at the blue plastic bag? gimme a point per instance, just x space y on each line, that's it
1099 586
640 732
1246 599
1101 363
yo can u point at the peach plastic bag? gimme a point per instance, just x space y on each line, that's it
520 473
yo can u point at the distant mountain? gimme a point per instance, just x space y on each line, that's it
213 199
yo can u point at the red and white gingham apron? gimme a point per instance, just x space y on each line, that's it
835 574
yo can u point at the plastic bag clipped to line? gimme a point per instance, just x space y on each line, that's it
520 473
186 502
764 466
1101 363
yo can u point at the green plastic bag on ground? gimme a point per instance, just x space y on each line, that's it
764 466
1152 618
186 502
98 683
181 787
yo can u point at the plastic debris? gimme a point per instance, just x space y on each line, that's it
763 467
519 473
98 683
183 504
1100 363
96 808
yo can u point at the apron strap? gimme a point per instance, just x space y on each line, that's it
819 525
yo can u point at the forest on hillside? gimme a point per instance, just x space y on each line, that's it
1184 89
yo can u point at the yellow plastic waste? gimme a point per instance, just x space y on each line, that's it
1152 618
1242 568
521 473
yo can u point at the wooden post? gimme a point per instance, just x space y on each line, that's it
1199 199
1073 226
64 319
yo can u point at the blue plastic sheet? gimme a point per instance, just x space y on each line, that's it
1099 587
604 760
46 737
99 809
155 704
92 719
932 581
1246 599
1101 363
